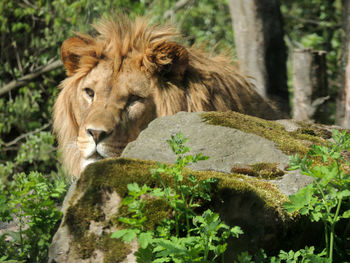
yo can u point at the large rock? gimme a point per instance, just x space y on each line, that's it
226 147
248 155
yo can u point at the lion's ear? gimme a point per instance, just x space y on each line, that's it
169 59
72 50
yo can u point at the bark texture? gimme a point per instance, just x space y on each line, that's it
309 84
260 47
343 100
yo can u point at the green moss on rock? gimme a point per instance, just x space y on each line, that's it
87 207
290 143
318 130
114 174
85 245
114 249
163 211
266 171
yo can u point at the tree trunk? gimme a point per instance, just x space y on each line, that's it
260 47
309 84
343 100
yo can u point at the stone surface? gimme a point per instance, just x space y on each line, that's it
63 247
61 242
225 146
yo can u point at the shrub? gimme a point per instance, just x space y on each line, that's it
30 203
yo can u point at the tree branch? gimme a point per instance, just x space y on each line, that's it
313 22
25 135
25 79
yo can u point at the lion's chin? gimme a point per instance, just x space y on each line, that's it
91 159
99 153
96 156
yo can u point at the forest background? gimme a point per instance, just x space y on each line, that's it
32 31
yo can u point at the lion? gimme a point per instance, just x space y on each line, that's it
130 73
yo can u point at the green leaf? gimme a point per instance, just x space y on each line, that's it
133 187
343 194
294 162
162 259
127 235
299 200
130 235
144 255
236 231
244 257
145 238
128 221
315 216
119 233
346 214
158 192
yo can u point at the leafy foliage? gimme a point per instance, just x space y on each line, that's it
322 200
203 237
30 202
326 200
306 255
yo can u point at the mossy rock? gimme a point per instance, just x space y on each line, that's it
247 194
253 204
234 142
289 142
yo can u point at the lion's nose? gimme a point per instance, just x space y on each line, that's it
98 135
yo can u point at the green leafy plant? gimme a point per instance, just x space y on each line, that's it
326 199
203 237
323 199
306 255
30 203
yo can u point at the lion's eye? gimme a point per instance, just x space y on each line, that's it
89 92
132 99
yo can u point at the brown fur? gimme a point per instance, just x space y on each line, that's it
134 73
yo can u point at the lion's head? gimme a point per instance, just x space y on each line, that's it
128 75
